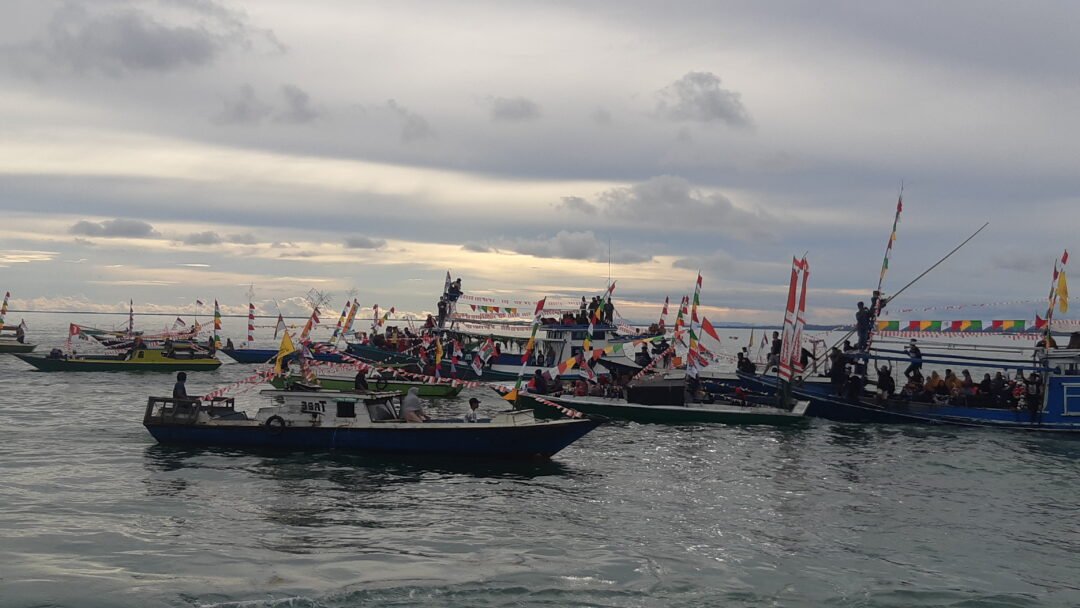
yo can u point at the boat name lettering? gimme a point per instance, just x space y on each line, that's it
313 407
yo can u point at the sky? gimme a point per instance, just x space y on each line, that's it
164 151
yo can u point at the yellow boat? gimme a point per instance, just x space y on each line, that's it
147 359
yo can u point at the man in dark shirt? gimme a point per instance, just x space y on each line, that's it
360 383
179 391
540 386
916 360
863 318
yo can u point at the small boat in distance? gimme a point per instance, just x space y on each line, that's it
13 340
139 360
361 422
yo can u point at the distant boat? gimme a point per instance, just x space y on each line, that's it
330 420
10 342
148 360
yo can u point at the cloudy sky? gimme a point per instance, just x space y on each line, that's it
167 150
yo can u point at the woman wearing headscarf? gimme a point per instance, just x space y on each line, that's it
411 408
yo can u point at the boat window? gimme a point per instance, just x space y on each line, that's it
346 409
1071 397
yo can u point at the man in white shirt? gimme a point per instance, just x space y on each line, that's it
474 405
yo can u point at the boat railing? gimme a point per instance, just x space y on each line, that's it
169 410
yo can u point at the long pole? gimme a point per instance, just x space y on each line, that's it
910 283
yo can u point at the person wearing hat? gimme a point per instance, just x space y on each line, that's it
915 355
474 405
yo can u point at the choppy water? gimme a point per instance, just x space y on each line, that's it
94 513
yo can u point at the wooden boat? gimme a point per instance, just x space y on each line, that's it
721 412
263 355
1056 410
345 383
331 420
9 341
149 360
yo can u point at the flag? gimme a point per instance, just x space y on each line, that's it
446 284
511 396
179 322
892 240
217 325
4 308
1063 289
287 348
310 325
352 316
340 323
251 323
279 326
478 364
73 329
131 316
708 328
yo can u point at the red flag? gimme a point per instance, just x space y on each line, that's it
73 330
1065 257
709 329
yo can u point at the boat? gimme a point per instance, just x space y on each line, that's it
345 383
264 355
361 422
149 360
720 412
10 342
1056 410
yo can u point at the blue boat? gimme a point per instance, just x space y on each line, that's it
367 422
1056 408
263 355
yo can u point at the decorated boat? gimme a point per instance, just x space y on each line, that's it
339 382
719 411
370 422
264 355
12 340
149 360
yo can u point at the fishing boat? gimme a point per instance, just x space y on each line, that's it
264 355
720 411
10 341
345 383
149 360
331 420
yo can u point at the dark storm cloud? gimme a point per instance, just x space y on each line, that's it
203 238
514 109
364 242
298 108
243 109
115 228
698 97
414 127
574 246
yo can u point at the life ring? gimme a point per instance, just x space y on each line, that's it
381 384
275 424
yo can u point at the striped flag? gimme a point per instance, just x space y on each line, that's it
251 323
217 325
892 240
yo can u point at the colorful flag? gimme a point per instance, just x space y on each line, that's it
287 348
788 332
663 313
1063 290
4 308
310 325
217 325
892 240
251 323
888 325
352 316
692 361
340 323
708 328
537 317
280 325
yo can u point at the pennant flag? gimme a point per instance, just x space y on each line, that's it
1063 289
892 240
217 325
251 323
310 325
695 326
1040 323
279 326
73 329
199 303
511 396
179 323
352 316
708 328
888 325
287 348
340 323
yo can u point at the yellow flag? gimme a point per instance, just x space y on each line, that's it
287 348
1063 293
438 352
511 396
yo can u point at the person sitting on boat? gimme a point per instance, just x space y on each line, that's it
229 344
539 384
429 323
986 391
913 352
581 389
211 346
953 384
967 384
999 389
411 407
838 372
179 391
360 383
744 364
474 405
934 386
911 390
643 358
885 383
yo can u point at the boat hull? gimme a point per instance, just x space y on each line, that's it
264 355
663 414
539 440
16 347
115 365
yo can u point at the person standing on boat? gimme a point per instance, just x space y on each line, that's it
474 405
885 383
411 408
609 312
444 307
774 352
20 334
863 321
915 367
